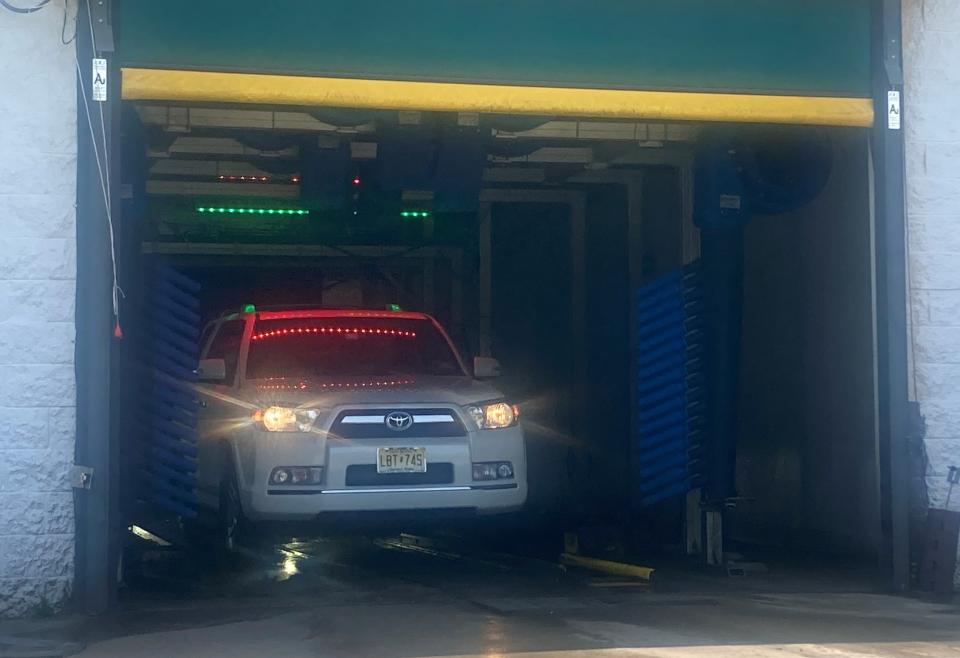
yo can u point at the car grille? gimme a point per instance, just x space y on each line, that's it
370 424
365 475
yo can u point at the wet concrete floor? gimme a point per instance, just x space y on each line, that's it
395 597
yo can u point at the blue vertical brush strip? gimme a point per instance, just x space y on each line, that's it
668 386
169 404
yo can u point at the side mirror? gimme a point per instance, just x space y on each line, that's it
212 370
485 366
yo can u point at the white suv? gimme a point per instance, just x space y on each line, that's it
314 411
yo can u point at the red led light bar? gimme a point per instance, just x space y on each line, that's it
383 384
303 386
294 331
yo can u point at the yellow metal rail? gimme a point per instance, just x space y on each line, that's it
607 566
206 86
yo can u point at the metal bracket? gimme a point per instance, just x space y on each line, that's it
81 477
102 28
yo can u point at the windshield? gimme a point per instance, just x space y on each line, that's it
348 347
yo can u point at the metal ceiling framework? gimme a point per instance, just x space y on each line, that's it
202 147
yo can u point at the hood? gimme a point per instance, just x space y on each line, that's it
328 392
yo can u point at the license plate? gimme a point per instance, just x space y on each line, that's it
401 460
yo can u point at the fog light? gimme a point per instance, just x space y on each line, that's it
484 471
492 470
306 475
297 475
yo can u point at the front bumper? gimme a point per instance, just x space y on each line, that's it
303 506
257 453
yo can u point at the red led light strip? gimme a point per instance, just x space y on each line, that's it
402 382
333 331
302 386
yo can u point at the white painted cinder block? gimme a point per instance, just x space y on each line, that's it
38 163
936 307
941 15
941 455
934 233
932 113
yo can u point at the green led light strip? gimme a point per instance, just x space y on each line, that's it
415 213
228 210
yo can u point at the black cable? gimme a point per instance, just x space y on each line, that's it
24 10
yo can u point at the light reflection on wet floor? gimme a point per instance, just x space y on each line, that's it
358 565
404 597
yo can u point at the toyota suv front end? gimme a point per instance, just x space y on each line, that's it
311 412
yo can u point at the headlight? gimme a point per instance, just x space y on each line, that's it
494 416
285 419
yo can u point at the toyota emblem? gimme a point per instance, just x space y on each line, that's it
398 420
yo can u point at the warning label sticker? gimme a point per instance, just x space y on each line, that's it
99 87
893 110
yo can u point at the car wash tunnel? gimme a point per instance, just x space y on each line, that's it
514 319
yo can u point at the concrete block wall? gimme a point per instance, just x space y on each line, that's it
932 114
37 282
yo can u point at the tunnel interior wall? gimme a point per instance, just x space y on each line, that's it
807 444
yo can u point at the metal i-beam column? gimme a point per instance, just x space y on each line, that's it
96 506
891 284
